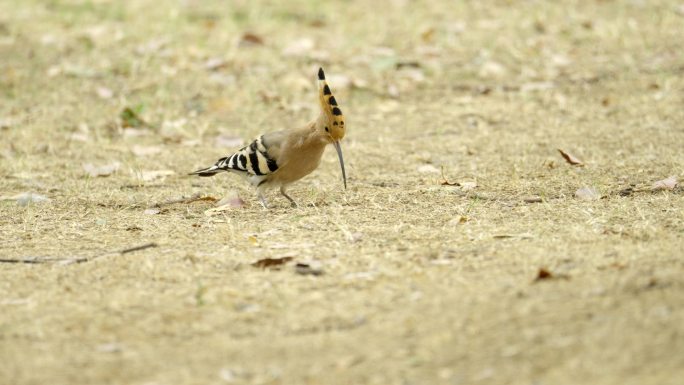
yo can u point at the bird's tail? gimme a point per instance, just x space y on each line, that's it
327 101
210 171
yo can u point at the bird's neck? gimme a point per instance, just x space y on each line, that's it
316 131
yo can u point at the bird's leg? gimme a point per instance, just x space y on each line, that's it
262 199
292 201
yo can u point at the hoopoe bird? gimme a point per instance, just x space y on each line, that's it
277 159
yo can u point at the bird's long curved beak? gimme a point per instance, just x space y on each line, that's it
339 155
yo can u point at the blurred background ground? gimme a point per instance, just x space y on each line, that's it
508 277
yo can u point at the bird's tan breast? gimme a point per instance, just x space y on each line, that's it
299 157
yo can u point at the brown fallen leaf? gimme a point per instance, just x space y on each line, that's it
545 274
250 39
445 182
665 184
570 158
105 170
317 23
205 198
271 262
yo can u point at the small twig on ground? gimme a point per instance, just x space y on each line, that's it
29 260
138 248
193 198
69 261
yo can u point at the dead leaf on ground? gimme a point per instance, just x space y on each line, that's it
545 274
79 137
26 198
253 240
428 169
299 47
229 202
588 194
665 184
134 133
468 185
268 96
445 182
571 158
146 150
271 262
411 74
205 198
104 170
393 90
150 175
5 123
492 69
215 64
309 268
232 200
428 34
104 93
627 191
250 39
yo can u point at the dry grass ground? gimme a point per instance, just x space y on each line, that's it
423 283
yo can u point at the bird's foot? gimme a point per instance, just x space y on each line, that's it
262 200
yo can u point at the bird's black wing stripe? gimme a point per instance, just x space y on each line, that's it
272 165
254 161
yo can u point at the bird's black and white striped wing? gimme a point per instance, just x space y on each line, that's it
252 160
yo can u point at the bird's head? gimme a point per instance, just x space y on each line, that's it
332 120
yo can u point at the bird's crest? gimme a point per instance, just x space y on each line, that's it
329 107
